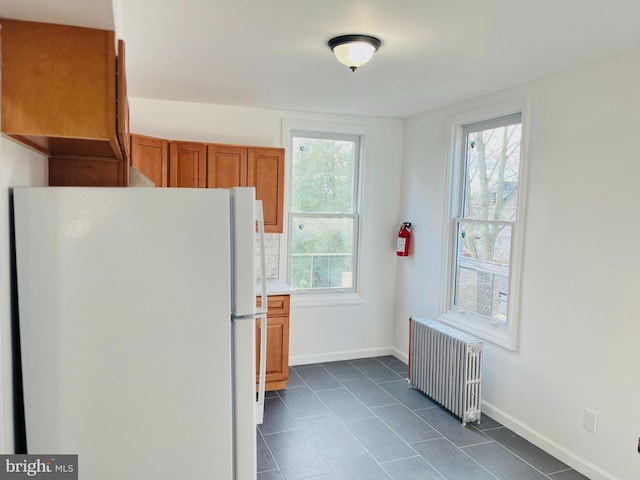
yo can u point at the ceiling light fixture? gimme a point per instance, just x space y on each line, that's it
354 50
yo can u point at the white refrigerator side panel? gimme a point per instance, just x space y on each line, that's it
124 298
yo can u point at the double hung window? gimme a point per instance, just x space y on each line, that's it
323 218
487 198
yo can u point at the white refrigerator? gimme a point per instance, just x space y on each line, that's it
137 329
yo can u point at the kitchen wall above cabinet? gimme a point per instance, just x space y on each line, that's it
207 165
64 92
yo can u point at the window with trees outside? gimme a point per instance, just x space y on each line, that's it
323 218
487 197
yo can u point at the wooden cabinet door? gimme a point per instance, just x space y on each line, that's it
187 164
277 343
265 172
226 166
59 88
150 156
86 172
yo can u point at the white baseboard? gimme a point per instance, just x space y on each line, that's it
401 355
337 356
561 453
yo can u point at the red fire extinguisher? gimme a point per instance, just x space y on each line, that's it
404 238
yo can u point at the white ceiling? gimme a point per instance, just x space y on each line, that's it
273 53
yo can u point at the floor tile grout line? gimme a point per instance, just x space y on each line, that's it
393 431
364 373
515 454
474 460
447 439
401 439
270 470
506 447
375 415
336 416
443 437
436 430
272 456
512 453
559 471
281 431
417 455
342 385
368 408
490 440
488 429
417 417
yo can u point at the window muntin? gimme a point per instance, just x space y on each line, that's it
324 221
486 223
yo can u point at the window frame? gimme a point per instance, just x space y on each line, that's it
501 333
326 296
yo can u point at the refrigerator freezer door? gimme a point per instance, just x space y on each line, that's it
244 251
124 298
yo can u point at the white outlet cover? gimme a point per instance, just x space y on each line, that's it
590 420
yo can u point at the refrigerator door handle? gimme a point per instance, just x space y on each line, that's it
263 369
262 311
263 280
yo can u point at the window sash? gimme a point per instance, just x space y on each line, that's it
503 121
340 137
353 254
491 272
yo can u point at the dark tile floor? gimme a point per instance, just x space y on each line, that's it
359 419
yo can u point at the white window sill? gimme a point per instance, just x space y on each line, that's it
498 333
300 299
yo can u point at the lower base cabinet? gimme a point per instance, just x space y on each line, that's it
277 343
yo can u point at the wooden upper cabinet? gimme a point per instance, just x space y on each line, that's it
59 88
200 165
226 166
151 156
187 164
86 172
263 168
265 172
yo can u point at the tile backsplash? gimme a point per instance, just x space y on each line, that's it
271 254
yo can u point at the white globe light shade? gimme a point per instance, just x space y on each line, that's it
354 50
354 54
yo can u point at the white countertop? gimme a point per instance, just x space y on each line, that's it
276 287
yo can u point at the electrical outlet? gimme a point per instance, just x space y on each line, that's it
590 420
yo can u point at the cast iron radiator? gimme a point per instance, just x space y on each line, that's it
446 365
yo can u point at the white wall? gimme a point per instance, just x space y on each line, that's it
328 332
18 167
579 330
